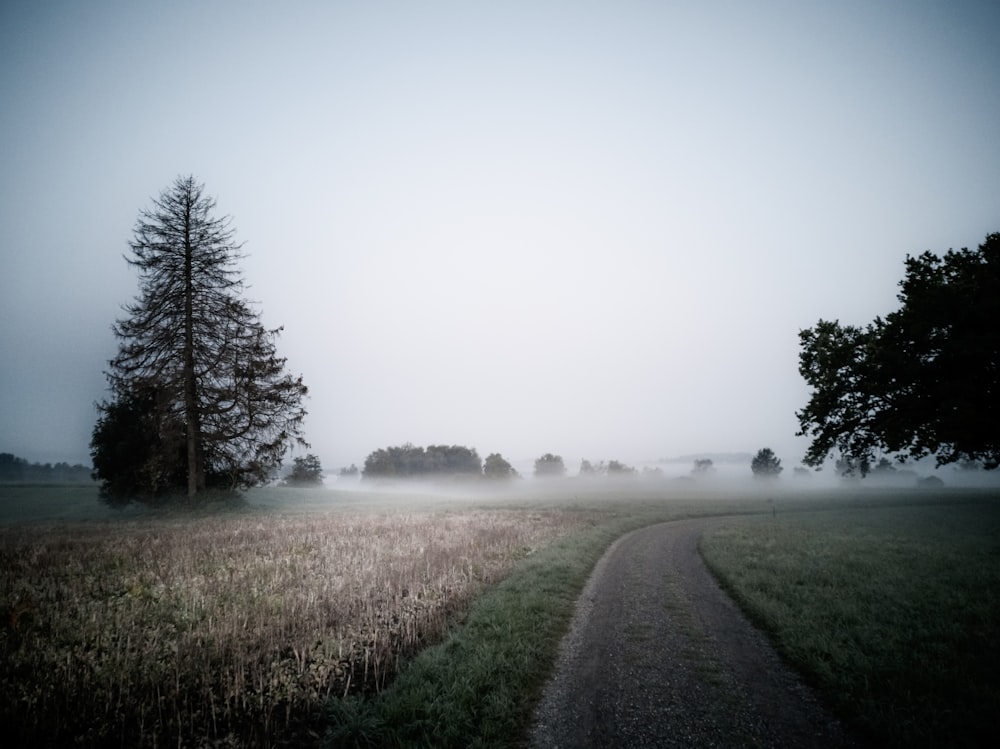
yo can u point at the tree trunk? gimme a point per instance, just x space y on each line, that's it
196 479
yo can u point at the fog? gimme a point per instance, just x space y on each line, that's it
524 227
663 480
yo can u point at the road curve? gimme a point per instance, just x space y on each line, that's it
659 656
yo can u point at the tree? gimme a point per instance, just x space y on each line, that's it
617 468
12 468
550 465
195 366
923 381
137 447
306 471
703 466
496 467
765 464
408 461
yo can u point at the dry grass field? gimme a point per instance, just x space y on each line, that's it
233 629
285 621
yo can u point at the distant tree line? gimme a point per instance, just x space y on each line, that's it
411 461
13 468
611 468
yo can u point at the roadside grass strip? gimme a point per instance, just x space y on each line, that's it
891 612
477 688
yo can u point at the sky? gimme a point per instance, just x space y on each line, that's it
587 228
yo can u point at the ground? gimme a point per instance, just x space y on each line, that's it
659 656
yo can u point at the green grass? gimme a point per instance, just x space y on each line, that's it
22 502
476 688
479 687
892 612
842 581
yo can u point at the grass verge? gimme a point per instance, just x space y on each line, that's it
479 687
476 689
891 612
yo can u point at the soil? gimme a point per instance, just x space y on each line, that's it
659 656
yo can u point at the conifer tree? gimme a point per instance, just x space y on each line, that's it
224 407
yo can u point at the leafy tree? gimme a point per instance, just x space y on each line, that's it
496 467
306 471
195 367
550 465
702 466
765 464
616 468
137 447
923 381
408 461
884 468
453 460
12 468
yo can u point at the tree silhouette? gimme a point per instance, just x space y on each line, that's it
306 471
189 337
496 467
765 464
550 465
923 381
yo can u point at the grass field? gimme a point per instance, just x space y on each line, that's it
893 612
235 627
394 619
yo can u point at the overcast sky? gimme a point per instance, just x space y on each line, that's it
587 228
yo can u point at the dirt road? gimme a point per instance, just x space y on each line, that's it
659 656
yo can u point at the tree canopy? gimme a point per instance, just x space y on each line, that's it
550 465
611 468
923 381
306 471
497 467
199 397
766 464
13 468
410 461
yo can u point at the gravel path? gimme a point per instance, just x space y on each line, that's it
659 656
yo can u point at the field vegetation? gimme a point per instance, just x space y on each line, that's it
409 618
890 611
234 628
